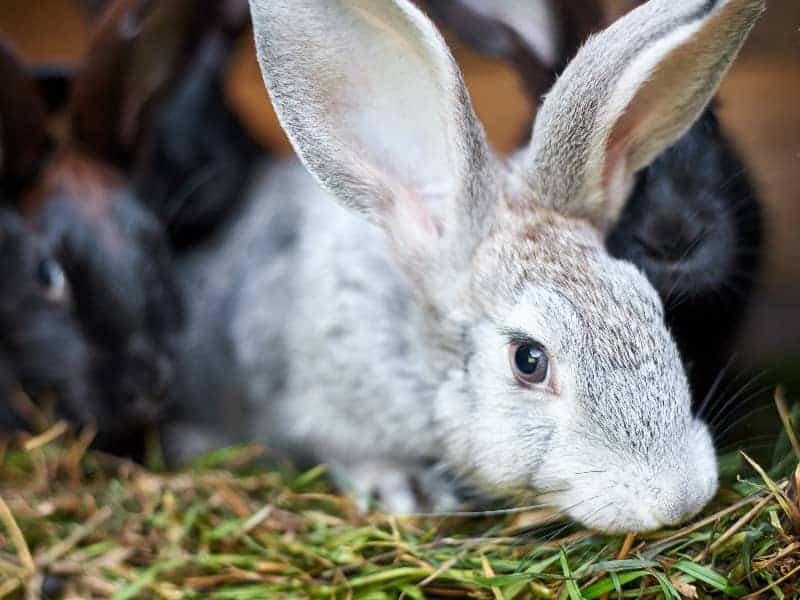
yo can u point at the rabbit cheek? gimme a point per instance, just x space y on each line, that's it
126 296
498 428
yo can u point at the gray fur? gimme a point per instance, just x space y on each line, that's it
380 352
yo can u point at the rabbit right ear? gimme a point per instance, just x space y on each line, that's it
630 93
23 137
376 108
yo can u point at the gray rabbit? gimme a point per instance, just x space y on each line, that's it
416 300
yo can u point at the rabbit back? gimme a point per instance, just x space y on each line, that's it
277 301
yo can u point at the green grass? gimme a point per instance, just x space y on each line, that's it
79 524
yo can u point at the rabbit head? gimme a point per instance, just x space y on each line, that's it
42 348
124 290
75 191
692 222
553 368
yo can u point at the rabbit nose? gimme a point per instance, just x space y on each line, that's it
152 364
676 511
145 408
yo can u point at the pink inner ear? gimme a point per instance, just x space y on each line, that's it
615 151
623 138
413 219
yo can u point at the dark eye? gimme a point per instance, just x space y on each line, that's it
52 279
529 363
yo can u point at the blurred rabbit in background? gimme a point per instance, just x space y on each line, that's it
193 168
42 346
82 197
692 222
152 158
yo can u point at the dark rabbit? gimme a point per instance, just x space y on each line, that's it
97 196
198 157
192 161
692 222
76 192
42 347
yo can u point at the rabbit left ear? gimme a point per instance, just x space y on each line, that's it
23 137
375 106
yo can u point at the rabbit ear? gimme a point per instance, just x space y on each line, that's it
137 51
630 93
500 27
23 138
376 108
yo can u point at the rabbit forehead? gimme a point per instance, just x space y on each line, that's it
596 307
551 279
528 254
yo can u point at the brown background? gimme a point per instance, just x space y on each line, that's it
760 107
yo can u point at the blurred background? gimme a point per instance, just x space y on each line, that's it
759 107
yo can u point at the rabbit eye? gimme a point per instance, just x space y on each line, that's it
52 279
529 363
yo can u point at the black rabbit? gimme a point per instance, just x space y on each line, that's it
75 193
97 197
191 163
692 222
198 157
42 347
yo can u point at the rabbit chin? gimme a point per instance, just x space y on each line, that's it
617 493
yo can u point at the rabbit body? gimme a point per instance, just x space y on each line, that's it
299 277
405 298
